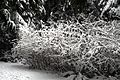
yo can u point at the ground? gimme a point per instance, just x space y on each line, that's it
13 71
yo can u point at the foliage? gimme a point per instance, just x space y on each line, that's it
8 34
76 38
70 46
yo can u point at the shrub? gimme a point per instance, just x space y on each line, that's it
59 48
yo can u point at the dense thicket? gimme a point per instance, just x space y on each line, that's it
63 35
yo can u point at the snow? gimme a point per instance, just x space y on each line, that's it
13 71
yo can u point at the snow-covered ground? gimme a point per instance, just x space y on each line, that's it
13 71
